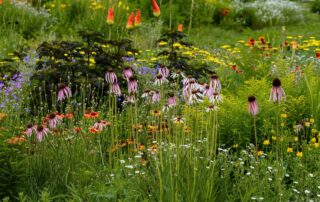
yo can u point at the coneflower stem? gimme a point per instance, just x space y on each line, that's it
255 132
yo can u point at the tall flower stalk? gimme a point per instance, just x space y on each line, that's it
253 110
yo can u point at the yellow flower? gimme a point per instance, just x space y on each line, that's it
307 124
289 150
284 116
316 145
82 52
314 131
312 120
299 154
313 140
274 137
63 6
282 124
296 139
156 113
235 146
266 142
260 153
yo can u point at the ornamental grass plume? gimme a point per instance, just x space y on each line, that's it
277 93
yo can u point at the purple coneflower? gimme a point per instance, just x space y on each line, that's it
215 83
216 98
252 106
164 71
160 79
172 100
100 125
41 130
132 85
208 91
146 94
212 108
115 89
127 73
195 97
29 130
129 100
156 97
277 93
64 92
178 73
54 120
111 76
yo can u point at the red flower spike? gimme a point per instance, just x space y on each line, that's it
156 8
180 27
318 55
110 16
137 19
130 22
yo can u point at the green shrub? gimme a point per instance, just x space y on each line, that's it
315 6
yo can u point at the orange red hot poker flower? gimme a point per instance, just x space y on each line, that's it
137 19
110 16
130 23
156 8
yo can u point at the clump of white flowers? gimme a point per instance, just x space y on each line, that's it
276 11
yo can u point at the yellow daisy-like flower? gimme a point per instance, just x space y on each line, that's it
296 139
316 145
162 43
313 140
260 153
307 124
266 142
156 113
289 150
299 154
284 116
312 120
